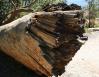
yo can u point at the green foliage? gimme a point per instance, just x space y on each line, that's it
93 7
97 8
40 3
6 6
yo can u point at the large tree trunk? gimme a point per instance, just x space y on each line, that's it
44 41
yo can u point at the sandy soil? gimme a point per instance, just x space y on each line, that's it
86 61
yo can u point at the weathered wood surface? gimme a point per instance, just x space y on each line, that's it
15 42
43 41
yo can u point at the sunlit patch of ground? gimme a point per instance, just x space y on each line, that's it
86 61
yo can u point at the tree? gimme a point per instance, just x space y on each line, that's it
12 9
93 7
97 8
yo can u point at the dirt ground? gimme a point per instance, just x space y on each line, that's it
86 61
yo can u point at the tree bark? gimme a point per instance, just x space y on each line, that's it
13 14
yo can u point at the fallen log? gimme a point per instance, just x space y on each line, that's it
45 46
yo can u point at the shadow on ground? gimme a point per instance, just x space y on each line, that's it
11 68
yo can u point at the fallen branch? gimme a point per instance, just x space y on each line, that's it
13 14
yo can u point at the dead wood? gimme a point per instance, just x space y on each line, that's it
42 44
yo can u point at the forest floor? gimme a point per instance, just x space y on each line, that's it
86 61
